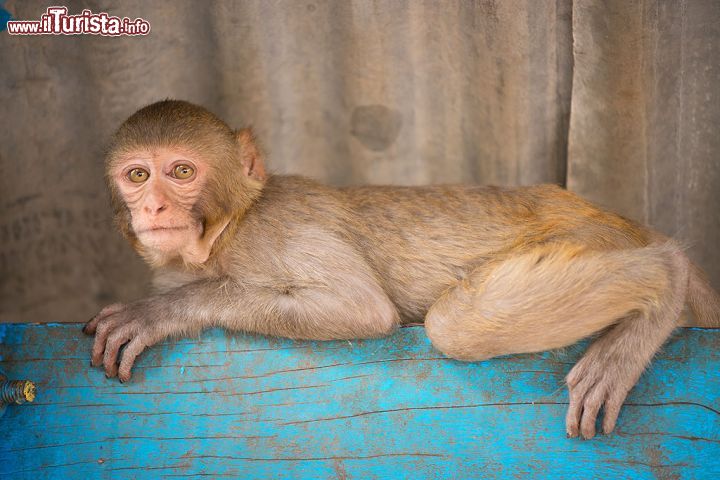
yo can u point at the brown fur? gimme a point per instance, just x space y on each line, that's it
492 270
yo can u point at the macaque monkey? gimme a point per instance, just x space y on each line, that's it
491 271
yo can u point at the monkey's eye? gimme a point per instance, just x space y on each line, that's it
138 175
183 171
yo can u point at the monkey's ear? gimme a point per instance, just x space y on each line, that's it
251 158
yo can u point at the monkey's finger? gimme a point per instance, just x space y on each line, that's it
103 330
112 347
578 394
576 374
91 325
132 350
591 408
574 412
612 411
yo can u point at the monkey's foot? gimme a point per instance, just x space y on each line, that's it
597 380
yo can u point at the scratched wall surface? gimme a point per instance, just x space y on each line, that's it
354 92
238 406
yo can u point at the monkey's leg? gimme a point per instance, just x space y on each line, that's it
556 295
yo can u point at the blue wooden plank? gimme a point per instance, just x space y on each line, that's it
234 405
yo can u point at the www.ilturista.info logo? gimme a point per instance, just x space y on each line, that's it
56 21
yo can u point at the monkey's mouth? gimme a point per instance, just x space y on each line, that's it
160 229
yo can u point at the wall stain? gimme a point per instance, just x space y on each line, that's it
375 126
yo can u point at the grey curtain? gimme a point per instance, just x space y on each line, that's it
617 100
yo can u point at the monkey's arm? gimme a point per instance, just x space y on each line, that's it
333 304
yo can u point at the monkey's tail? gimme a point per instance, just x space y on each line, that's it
702 299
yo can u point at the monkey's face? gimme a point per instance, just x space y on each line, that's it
160 188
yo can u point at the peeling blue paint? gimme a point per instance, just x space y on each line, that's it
245 406
3 328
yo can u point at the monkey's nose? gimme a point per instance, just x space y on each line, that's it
155 209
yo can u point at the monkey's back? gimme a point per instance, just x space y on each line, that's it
426 238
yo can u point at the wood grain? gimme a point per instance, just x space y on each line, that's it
233 405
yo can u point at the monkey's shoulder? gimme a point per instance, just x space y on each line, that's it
296 228
289 204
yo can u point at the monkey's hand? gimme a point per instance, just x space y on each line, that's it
136 325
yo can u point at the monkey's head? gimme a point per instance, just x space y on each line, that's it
178 177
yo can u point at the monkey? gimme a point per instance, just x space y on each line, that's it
489 270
